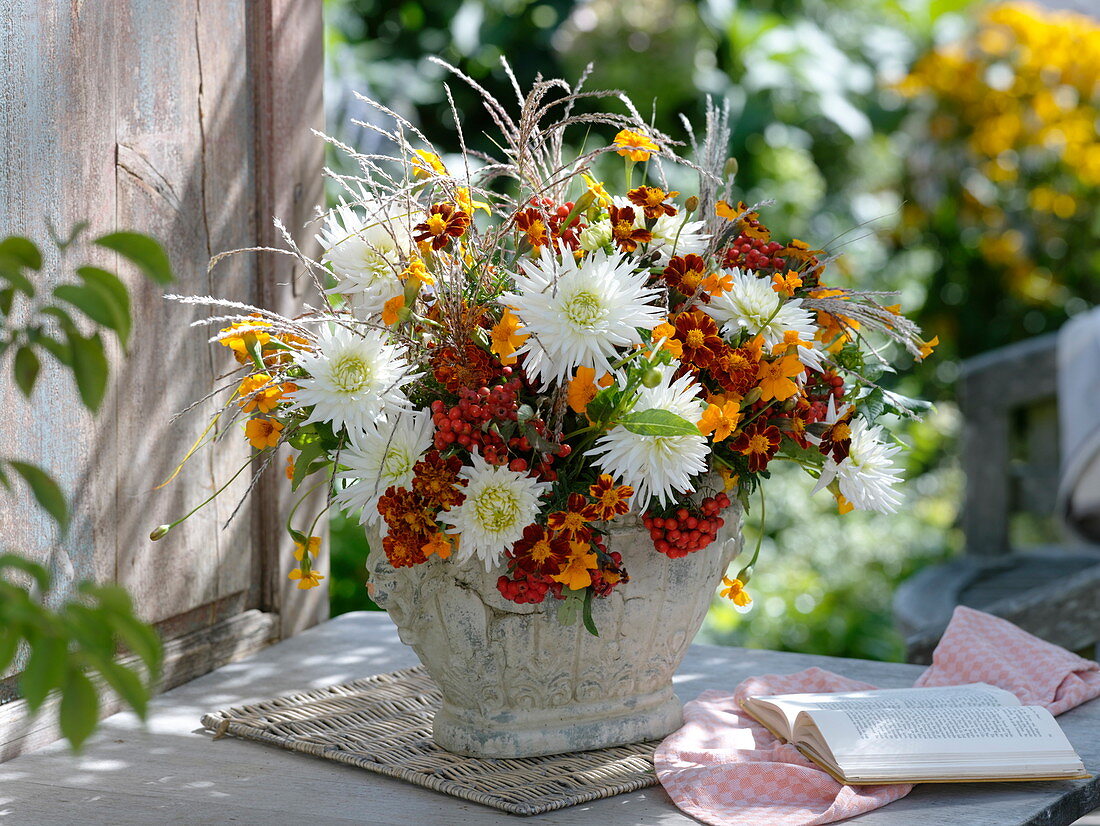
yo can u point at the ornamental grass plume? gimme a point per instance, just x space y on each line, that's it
513 355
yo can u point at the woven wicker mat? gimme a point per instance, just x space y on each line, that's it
383 724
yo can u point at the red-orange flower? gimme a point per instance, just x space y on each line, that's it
533 225
462 367
735 370
611 500
436 479
685 273
759 442
538 552
405 510
444 222
571 523
623 232
404 549
698 334
652 201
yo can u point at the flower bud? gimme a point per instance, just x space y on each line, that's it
692 203
745 574
595 236
160 532
752 397
731 168
652 377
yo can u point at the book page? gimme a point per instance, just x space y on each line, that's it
788 706
992 730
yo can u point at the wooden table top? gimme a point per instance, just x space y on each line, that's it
171 771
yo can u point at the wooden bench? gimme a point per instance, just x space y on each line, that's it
1010 454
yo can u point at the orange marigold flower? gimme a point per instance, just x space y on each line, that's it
611 500
717 283
684 273
257 392
263 433
623 232
571 523
577 573
799 250
405 511
404 549
735 370
759 443
786 284
652 201
720 419
666 331
926 347
289 471
439 544
533 225
775 378
582 389
635 145
504 338
735 590
306 579
248 333
444 222
723 210
436 479
538 552
698 333
390 309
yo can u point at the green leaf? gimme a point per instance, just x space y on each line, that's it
126 684
89 368
79 708
310 451
45 491
9 644
599 409
141 639
92 302
142 250
570 607
45 669
7 298
60 350
657 422
63 318
22 250
41 576
115 293
586 614
26 369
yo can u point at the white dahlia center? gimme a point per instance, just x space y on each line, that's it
584 309
351 373
396 464
497 508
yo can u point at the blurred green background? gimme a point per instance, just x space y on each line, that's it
949 147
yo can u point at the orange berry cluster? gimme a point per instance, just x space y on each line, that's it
686 530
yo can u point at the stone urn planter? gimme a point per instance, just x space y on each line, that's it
517 683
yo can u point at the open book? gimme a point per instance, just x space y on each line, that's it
915 735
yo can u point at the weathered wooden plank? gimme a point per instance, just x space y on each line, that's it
178 764
288 70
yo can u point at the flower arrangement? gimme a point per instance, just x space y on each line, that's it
510 355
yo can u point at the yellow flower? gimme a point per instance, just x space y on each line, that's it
427 164
505 339
418 270
314 545
720 419
289 471
575 575
257 392
667 332
250 333
843 506
390 309
635 145
735 590
308 579
263 433
467 204
596 189
729 478
786 284
926 347
775 378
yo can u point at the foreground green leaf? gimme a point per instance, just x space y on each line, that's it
657 422
143 251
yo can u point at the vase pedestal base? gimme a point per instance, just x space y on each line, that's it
575 727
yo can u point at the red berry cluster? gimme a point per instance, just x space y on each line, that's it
463 423
754 254
531 589
819 387
555 216
686 530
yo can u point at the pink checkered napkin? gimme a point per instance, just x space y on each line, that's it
725 769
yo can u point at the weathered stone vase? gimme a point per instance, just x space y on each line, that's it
517 683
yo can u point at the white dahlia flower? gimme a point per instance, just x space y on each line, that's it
364 246
579 313
499 504
354 380
657 466
751 304
381 456
867 476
